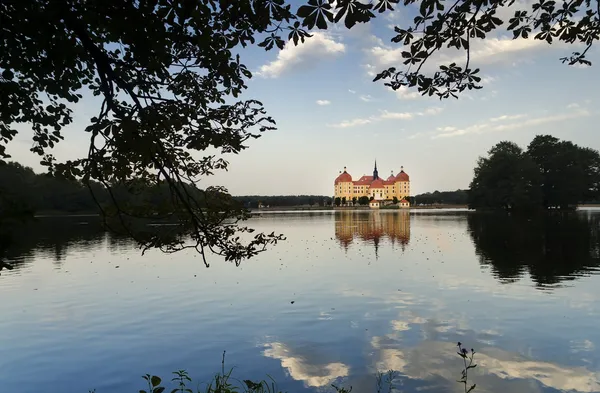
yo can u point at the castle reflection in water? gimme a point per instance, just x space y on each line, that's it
372 227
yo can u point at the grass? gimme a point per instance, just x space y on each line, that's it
223 382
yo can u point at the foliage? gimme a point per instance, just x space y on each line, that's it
550 174
363 200
458 24
338 201
344 201
354 201
167 78
458 197
570 174
395 200
507 179
466 356
251 201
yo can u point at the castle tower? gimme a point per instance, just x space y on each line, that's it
375 173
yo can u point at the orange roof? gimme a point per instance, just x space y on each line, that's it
377 183
364 181
391 178
403 201
402 176
344 177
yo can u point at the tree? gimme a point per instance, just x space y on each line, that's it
168 79
343 201
363 200
507 179
354 200
337 201
569 172
395 200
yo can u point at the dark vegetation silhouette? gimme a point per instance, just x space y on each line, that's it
550 174
252 201
168 80
458 197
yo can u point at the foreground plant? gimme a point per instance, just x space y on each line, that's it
468 364
223 382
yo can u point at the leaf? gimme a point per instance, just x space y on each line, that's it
8 74
158 390
155 381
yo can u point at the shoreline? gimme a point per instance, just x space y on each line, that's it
307 209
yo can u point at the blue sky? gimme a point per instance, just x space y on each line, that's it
330 114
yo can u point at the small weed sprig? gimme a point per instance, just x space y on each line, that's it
466 356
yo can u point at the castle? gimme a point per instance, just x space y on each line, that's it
379 191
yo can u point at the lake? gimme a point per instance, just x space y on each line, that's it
371 291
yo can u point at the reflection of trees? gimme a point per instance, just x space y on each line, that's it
372 227
552 247
51 236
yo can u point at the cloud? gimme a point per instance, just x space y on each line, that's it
507 117
313 373
372 69
431 111
291 57
396 115
352 91
500 124
500 50
404 93
323 102
366 98
351 123
386 115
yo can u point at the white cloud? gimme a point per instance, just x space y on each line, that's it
573 105
352 91
292 56
323 102
500 50
507 117
493 126
351 123
371 70
431 111
396 115
386 115
405 93
366 98
446 129
486 80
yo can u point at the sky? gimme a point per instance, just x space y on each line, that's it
331 115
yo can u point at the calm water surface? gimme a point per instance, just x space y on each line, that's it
372 291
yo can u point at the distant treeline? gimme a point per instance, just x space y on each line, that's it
24 191
252 201
458 197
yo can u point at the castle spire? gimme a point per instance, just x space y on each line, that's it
375 173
